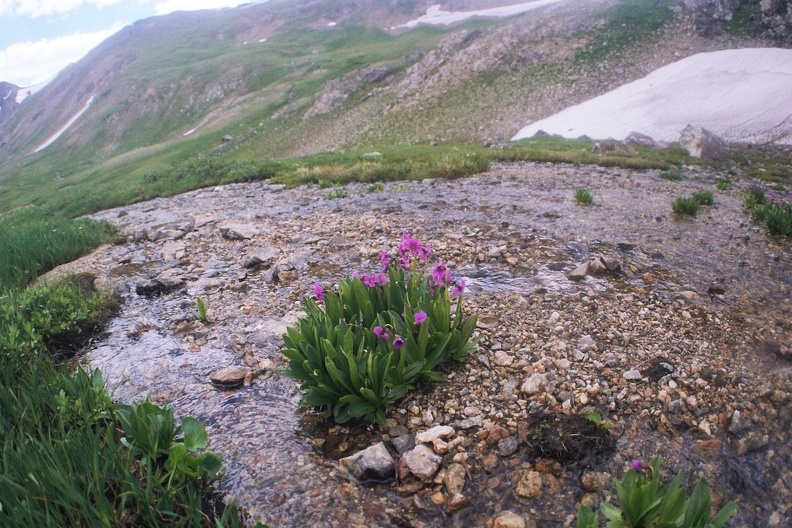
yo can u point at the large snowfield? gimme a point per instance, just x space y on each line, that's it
742 95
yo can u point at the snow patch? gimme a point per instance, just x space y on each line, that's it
436 16
332 24
24 93
65 127
742 95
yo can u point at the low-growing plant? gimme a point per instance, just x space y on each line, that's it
337 193
151 432
703 197
201 310
686 205
771 208
325 184
646 503
672 174
722 184
376 187
583 196
753 196
363 345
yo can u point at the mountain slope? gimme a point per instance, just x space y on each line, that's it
291 78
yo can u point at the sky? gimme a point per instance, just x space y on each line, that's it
38 38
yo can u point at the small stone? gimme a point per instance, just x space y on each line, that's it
632 375
507 446
535 384
594 481
503 359
530 485
509 519
490 463
455 479
422 462
438 498
456 503
373 463
403 443
716 289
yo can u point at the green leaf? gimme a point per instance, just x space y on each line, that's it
210 463
195 436
586 518
723 515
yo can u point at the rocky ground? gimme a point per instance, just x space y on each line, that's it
674 333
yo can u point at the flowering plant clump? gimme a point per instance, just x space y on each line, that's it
773 209
364 344
645 503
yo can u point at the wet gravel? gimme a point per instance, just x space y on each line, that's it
675 338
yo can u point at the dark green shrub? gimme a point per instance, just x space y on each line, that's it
685 205
703 197
378 336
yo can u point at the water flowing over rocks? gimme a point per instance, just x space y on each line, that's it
709 388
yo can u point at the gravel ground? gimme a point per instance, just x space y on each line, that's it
677 338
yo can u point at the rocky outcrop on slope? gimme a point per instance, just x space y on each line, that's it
8 98
768 18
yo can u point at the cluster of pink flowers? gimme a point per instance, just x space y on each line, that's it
410 251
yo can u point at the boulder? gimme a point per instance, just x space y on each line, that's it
642 140
701 143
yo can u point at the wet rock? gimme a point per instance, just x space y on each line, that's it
738 424
507 446
373 463
429 436
151 288
597 267
716 289
579 273
530 485
422 462
229 377
457 503
403 443
594 481
751 442
455 479
490 463
509 519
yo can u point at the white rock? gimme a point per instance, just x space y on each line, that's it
438 431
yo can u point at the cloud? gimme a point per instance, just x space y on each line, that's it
169 6
29 63
37 8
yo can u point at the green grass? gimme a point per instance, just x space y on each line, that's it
32 243
627 23
674 174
